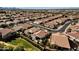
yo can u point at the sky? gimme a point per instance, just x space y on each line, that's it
39 3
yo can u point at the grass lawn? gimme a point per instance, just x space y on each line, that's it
22 42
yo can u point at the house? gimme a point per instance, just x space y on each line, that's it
30 31
57 16
59 21
74 39
22 20
64 19
6 33
75 27
38 21
76 17
40 35
26 19
1 21
59 41
33 30
21 27
1 28
75 35
47 19
17 28
71 17
51 24
3 24
9 23
16 21
25 26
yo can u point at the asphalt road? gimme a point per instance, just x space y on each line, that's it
62 29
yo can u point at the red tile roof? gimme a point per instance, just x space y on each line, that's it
33 30
74 34
59 40
25 26
5 31
41 33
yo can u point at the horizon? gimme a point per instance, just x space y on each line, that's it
43 7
